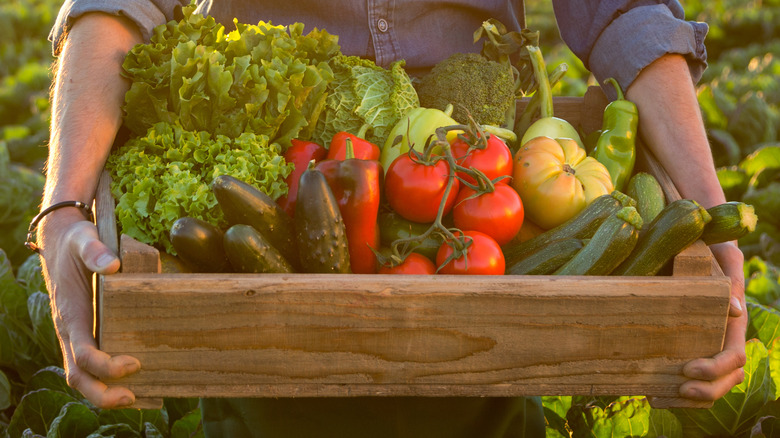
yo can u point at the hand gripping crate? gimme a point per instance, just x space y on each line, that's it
344 335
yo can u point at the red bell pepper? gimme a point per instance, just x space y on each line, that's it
300 154
363 149
356 185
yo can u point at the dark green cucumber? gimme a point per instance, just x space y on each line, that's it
250 251
244 204
548 259
581 226
730 221
648 194
393 227
199 244
320 233
610 245
676 227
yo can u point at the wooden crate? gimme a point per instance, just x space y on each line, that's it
315 335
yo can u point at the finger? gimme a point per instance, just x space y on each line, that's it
732 357
97 257
99 363
97 392
711 390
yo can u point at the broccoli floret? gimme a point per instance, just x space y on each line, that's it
473 85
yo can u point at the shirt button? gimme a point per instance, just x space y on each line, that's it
382 25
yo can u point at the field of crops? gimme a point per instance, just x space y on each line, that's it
740 99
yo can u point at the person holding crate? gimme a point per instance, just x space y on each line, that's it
655 55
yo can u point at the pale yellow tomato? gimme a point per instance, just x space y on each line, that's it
556 180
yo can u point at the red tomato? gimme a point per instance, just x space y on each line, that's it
415 190
483 257
499 213
494 160
415 264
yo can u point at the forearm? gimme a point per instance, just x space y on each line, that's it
86 104
671 126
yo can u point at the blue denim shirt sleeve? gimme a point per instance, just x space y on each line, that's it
618 38
146 14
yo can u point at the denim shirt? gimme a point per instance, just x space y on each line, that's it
613 38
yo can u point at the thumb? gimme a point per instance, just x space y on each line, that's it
95 255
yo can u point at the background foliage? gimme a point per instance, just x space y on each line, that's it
739 95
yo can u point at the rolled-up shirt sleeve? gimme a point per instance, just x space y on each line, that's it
618 38
146 14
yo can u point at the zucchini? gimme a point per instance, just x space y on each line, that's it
548 259
676 227
610 245
648 194
199 245
319 228
581 226
250 251
244 204
730 221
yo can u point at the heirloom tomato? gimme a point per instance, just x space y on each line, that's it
556 180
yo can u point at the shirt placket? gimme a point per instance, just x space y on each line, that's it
381 15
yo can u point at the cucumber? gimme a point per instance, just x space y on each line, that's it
244 204
548 259
250 251
581 226
676 227
199 245
320 233
730 221
648 194
610 245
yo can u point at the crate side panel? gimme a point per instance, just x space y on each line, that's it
213 331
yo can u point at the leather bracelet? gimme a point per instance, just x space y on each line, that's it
29 243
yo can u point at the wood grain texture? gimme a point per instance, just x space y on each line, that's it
295 335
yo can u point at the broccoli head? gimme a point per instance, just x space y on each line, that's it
473 85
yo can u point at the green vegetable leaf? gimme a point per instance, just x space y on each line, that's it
774 367
135 418
627 417
36 411
555 409
762 282
663 423
762 165
763 322
115 431
735 413
734 182
188 426
5 392
52 378
39 310
75 420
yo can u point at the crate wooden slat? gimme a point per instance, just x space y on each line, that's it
314 335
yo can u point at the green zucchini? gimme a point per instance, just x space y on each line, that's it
730 221
610 245
548 259
675 228
581 226
244 204
199 245
319 228
649 195
250 251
